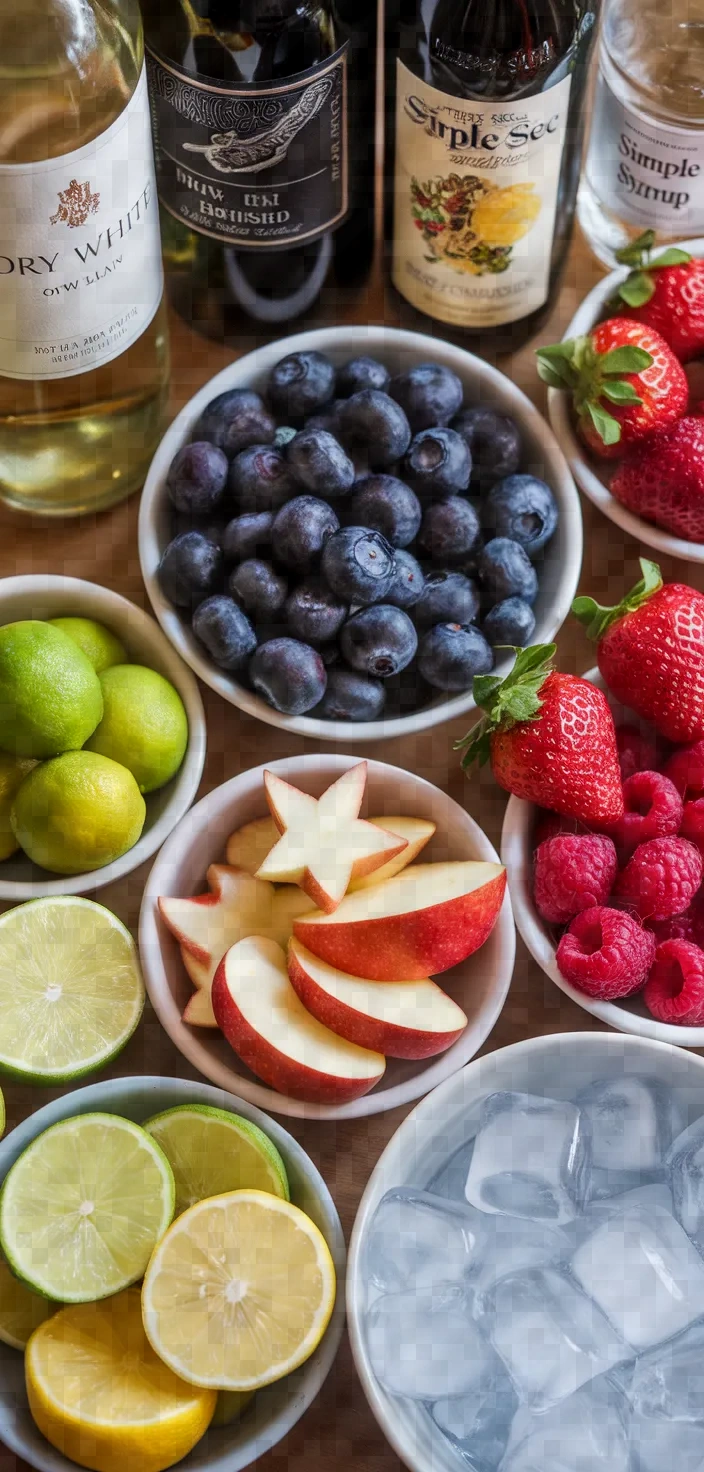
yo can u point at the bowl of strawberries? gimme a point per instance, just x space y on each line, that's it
626 399
603 838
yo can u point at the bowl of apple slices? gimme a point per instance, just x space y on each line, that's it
327 937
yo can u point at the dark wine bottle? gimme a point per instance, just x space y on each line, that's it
485 135
263 123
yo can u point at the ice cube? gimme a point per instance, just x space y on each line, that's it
531 1157
668 1382
642 1270
686 1165
426 1345
449 1181
416 1240
479 1423
633 1123
511 1244
666 1446
588 1432
604 1184
551 1338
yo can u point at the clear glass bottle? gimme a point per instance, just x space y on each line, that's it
644 166
83 337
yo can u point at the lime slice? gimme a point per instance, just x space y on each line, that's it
71 991
239 1292
84 1206
21 1310
211 1151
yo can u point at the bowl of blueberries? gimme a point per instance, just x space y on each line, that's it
343 528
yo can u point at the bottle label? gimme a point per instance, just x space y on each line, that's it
80 257
647 172
475 201
248 165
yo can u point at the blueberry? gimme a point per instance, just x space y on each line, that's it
450 530
330 654
301 529
372 419
213 529
258 587
261 479
379 640
429 393
450 655
494 443
448 597
319 463
406 693
511 622
225 631
351 697
290 675
358 564
300 384
408 583
506 571
235 420
523 508
361 373
246 535
313 613
388 506
190 569
438 464
326 418
197 478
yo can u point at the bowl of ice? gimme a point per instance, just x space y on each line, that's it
525 1287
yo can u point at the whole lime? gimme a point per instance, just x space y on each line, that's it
100 645
144 725
50 696
13 770
78 813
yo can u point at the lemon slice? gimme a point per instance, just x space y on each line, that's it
84 1206
239 1292
71 990
21 1310
230 1405
211 1151
98 1392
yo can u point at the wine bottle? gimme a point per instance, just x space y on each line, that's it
486 137
262 114
83 337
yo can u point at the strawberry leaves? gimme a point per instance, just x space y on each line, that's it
639 285
596 619
505 702
592 377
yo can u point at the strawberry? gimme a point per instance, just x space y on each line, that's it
666 293
650 651
550 737
663 479
625 383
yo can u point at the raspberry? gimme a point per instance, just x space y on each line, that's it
686 769
548 825
653 808
661 879
692 825
687 926
636 752
573 872
606 953
674 991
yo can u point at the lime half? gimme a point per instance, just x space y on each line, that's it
21 1310
211 1151
84 1206
71 989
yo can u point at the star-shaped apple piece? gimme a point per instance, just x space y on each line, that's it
324 843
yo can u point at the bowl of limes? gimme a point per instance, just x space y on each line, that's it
230 1229
102 737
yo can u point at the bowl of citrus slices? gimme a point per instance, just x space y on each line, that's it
142 1220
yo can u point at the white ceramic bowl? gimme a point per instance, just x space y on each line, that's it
43 596
559 571
630 1015
276 1409
558 1066
589 472
479 985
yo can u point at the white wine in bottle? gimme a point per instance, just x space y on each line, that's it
83 338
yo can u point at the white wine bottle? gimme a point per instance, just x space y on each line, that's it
83 339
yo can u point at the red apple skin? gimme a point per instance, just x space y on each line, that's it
274 1068
408 947
380 1037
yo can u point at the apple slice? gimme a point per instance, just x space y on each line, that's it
271 1031
324 843
424 920
248 846
236 905
200 974
416 831
402 1019
198 1011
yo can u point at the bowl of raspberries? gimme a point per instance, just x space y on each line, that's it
342 529
626 395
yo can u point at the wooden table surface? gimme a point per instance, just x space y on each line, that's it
339 1430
